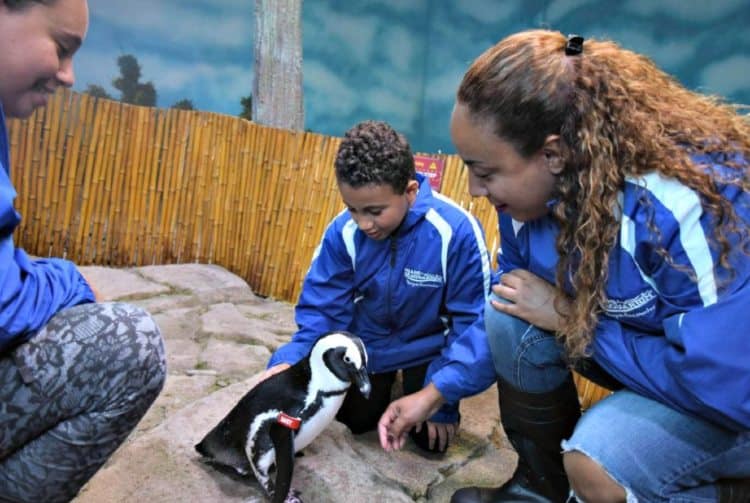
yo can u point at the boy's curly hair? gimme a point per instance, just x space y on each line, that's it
617 115
372 152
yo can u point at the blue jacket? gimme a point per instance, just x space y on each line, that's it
682 342
407 297
31 291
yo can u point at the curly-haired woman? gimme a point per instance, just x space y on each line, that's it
76 376
623 206
402 267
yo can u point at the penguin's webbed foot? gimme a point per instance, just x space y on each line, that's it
293 496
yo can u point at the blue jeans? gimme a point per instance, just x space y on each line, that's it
656 453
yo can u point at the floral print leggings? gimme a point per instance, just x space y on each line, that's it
71 395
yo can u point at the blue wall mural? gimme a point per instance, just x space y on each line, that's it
399 60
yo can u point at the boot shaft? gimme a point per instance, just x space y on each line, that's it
535 424
734 490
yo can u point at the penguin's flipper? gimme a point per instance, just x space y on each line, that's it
283 443
216 450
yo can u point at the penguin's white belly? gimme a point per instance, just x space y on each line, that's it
318 422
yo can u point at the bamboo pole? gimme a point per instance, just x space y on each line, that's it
210 171
99 179
184 209
81 109
279 244
152 200
271 210
291 263
54 130
237 207
202 174
116 183
185 138
137 184
39 177
226 240
75 177
258 152
18 133
157 205
192 212
174 160
83 183
248 225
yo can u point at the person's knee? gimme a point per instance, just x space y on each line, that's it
525 356
141 362
502 330
146 341
589 481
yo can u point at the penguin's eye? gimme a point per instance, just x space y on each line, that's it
347 359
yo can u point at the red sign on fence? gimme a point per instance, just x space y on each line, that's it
432 168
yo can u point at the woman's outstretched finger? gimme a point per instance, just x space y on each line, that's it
386 428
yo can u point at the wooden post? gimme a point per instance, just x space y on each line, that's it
277 80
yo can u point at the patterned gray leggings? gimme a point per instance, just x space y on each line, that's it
71 395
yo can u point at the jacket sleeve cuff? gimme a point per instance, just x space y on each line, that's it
287 353
455 382
448 414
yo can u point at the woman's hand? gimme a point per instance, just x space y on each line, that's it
97 295
405 413
531 297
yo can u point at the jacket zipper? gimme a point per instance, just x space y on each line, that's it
393 249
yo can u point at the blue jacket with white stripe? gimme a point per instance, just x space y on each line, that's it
407 297
682 341
31 291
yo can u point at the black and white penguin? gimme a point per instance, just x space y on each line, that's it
284 413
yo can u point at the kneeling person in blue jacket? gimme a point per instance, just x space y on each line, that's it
404 268
76 374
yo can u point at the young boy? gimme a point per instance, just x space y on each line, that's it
403 268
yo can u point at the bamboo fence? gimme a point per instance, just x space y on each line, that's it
106 183
102 182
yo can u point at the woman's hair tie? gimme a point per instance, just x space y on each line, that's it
574 45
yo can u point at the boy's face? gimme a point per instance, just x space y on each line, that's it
376 209
38 43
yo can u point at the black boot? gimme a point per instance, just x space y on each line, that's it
734 490
535 424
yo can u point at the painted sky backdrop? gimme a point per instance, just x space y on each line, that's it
398 60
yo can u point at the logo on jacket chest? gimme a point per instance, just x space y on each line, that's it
422 279
635 307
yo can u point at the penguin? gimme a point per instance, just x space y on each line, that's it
281 415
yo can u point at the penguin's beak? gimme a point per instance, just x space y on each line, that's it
360 379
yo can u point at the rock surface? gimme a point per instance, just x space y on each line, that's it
219 336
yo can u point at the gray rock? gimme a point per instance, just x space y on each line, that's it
235 360
219 336
121 283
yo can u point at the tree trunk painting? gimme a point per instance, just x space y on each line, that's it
277 81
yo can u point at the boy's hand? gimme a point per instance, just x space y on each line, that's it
442 432
273 370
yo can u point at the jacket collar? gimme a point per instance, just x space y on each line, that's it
424 202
